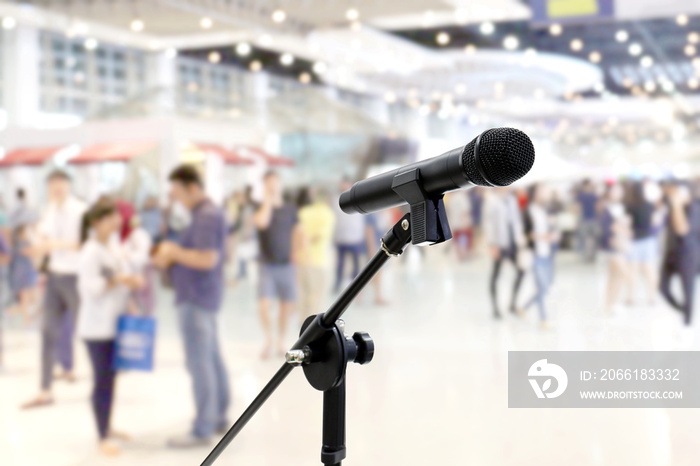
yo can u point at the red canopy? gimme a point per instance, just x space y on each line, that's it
29 156
230 157
113 152
270 159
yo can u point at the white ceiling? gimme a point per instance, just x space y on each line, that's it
360 57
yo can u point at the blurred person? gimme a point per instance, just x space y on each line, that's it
643 254
459 208
316 222
682 253
59 231
246 238
104 283
541 234
4 218
476 200
23 275
176 219
196 269
22 213
504 236
349 238
279 238
232 208
615 241
587 200
556 208
374 232
152 218
4 261
137 247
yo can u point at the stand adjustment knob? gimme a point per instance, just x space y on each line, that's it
365 347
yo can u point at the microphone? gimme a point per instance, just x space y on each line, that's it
497 157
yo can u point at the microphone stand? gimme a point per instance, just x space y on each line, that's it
323 351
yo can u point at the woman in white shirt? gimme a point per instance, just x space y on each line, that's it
541 234
104 286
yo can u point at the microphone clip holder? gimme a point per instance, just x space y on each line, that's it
430 225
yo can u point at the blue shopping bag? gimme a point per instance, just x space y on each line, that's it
135 343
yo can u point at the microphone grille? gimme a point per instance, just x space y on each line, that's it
505 154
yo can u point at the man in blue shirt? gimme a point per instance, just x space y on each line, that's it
196 269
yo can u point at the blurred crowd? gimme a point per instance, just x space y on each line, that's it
70 269
647 232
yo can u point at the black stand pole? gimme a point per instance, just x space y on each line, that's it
323 350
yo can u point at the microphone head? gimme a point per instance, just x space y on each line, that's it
501 157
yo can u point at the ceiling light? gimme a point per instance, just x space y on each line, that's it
352 14
8 22
696 63
682 20
320 67
286 59
470 49
265 40
206 22
595 57
668 86
511 43
442 38
390 97
170 52
137 25
461 15
305 78
530 52
356 26
80 29
214 57
693 37
243 49
428 18
689 50
646 61
278 16
555 29
693 83
576 45
487 28
622 35
635 49
255 66
91 44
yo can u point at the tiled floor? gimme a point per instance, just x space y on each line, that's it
434 394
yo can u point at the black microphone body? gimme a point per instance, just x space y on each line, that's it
439 175
497 157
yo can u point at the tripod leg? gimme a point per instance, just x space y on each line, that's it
248 414
333 451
